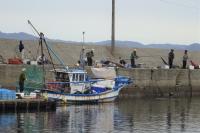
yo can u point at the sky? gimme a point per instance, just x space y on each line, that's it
145 21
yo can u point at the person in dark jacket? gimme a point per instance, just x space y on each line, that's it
185 58
171 58
89 56
133 57
22 78
21 49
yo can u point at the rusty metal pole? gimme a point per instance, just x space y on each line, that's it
113 28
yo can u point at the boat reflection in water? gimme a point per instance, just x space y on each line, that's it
126 115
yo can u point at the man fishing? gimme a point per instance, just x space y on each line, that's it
185 58
22 78
171 58
89 56
133 57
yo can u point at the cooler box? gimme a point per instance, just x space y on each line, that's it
15 61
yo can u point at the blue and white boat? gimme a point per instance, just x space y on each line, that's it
75 86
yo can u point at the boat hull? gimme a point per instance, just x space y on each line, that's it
107 96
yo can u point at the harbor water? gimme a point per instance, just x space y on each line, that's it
164 115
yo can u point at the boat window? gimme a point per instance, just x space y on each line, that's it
77 77
81 77
74 77
61 76
57 76
66 77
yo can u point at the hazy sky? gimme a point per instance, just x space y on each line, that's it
146 21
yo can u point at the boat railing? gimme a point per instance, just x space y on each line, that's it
75 82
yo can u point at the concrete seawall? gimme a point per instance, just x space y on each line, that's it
162 82
147 82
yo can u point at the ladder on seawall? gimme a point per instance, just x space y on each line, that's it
179 82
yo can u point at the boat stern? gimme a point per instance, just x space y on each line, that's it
122 81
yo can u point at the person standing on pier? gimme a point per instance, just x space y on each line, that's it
133 57
22 78
81 60
171 58
89 56
21 49
185 58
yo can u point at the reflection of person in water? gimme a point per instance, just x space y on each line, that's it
19 123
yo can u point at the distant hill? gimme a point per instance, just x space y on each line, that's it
132 44
119 43
123 43
26 36
193 47
167 46
17 36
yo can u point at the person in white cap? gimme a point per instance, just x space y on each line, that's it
133 57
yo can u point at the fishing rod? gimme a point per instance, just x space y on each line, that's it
141 57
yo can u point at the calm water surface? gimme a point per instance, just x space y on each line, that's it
124 116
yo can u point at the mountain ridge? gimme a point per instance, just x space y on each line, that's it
119 43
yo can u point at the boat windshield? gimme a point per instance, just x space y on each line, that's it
78 77
62 77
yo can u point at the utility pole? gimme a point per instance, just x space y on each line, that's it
83 39
113 28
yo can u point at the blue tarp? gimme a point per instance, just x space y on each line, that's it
6 94
98 89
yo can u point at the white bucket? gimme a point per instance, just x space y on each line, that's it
166 67
33 62
191 67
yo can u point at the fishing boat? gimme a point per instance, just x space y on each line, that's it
76 86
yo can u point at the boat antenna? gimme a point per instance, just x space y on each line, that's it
82 61
49 48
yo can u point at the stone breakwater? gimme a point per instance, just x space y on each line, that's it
147 82
162 82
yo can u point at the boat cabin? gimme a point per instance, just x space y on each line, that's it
71 81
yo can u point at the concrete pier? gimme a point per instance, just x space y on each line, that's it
26 104
147 82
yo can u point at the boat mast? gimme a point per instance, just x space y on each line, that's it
82 61
42 56
41 39
49 48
